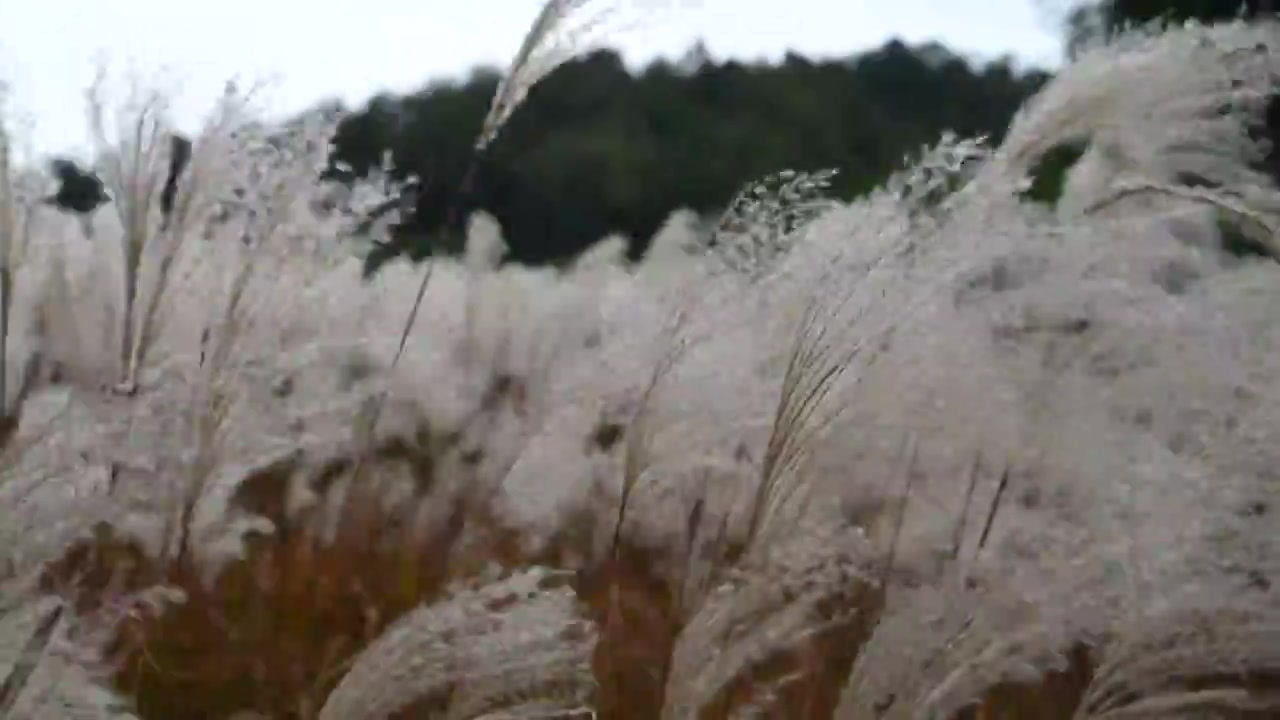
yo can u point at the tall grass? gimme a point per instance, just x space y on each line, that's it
740 478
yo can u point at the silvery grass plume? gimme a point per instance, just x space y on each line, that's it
562 30
1117 354
933 445
215 292
526 654
19 201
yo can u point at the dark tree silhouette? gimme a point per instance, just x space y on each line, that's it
598 148
179 156
79 191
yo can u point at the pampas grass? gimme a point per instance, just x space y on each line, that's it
940 452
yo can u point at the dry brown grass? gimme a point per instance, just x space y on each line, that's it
275 630
1056 697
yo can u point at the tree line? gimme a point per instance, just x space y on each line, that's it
1091 21
598 148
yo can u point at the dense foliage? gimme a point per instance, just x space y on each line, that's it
1091 21
601 149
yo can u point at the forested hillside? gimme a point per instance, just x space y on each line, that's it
599 148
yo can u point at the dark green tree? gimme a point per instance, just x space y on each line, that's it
598 148
1091 19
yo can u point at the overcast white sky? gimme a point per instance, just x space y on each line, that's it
316 49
